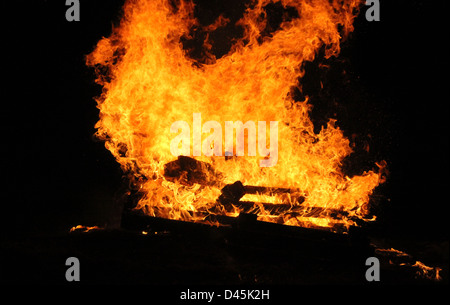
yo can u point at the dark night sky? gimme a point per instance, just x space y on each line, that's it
58 176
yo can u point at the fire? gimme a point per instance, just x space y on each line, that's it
431 273
84 229
149 82
400 258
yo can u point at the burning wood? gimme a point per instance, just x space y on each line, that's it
188 171
232 193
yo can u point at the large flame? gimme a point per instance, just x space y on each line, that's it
149 82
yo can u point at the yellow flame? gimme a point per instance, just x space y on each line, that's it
149 82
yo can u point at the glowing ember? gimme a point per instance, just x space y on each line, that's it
84 229
431 273
400 258
149 82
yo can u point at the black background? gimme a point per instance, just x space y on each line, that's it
55 175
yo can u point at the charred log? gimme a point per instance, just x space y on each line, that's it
232 193
188 171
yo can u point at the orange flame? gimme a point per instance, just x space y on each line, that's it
84 229
149 82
